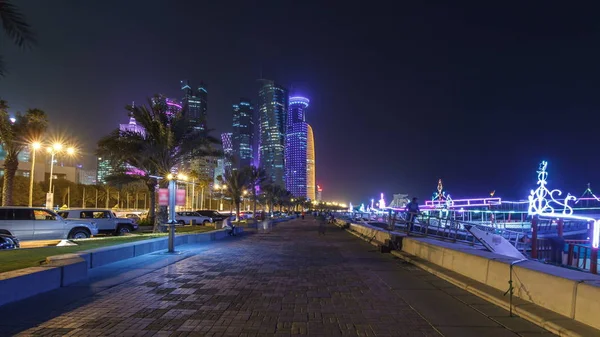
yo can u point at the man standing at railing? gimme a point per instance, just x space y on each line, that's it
412 210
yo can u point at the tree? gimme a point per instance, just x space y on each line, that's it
15 26
167 142
236 182
15 135
256 179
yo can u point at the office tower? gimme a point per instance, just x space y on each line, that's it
273 106
219 171
87 177
296 147
104 170
319 193
243 133
311 173
195 103
226 140
170 106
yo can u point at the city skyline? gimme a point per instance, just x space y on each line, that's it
478 92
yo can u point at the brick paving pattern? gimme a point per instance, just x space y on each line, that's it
288 282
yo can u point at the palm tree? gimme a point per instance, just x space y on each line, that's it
15 26
236 182
256 179
168 141
15 135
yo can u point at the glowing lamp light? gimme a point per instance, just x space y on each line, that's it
170 176
12 120
70 151
36 145
57 146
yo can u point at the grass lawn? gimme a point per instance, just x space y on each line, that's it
32 257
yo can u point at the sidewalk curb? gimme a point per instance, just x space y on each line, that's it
551 321
62 270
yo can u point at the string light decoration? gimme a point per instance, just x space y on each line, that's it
362 208
543 202
381 202
440 198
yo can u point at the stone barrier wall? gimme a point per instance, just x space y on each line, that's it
570 293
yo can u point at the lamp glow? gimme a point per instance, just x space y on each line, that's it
57 146
36 145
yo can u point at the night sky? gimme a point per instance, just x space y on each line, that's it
401 94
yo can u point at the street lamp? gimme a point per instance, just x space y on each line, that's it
53 150
34 147
173 178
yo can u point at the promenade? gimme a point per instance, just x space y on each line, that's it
288 282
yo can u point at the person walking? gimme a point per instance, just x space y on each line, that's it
412 210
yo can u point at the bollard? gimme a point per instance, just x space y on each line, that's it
171 238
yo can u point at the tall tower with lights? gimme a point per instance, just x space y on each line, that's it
272 107
311 173
195 104
296 147
243 133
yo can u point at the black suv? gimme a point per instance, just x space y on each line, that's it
214 215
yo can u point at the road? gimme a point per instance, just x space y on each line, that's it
291 281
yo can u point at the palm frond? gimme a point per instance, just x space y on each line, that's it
15 25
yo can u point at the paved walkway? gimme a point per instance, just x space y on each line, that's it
291 281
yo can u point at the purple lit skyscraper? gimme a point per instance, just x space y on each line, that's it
296 147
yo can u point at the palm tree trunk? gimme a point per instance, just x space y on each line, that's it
151 184
254 199
11 164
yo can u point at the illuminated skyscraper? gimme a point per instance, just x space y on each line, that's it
195 103
311 173
104 170
296 146
226 140
243 133
273 106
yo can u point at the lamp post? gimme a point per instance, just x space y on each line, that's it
173 178
55 149
34 147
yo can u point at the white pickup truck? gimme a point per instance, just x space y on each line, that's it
105 219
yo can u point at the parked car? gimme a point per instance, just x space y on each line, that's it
185 218
106 220
134 217
214 215
31 223
8 242
246 215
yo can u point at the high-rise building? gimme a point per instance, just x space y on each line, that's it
296 147
311 173
219 171
273 107
226 140
243 133
195 103
319 193
104 170
171 106
87 177
132 126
